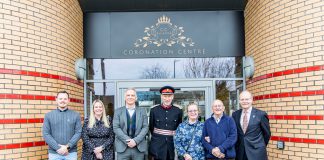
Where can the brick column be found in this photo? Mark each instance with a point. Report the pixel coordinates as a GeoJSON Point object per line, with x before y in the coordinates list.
{"type": "Point", "coordinates": [39, 42]}
{"type": "Point", "coordinates": [285, 37]}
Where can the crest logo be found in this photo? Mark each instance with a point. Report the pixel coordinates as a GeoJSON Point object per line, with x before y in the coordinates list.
{"type": "Point", "coordinates": [164, 33]}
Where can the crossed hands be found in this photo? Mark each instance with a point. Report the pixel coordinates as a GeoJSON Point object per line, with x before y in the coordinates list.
{"type": "Point", "coordinates": [63, 150]}
{"type": "Point", "coordinates": [98, 151]}
{"type": "Point", "coordinates": [216, 151]}
{"type": "Point", "coordinates": [131, 143]}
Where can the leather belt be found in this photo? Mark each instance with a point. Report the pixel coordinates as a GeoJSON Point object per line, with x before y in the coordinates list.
{"type": "Point", "coordinates": [164, 132]}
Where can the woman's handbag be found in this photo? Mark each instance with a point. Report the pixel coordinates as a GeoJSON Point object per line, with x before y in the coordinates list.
{"type": "Point", "coordinates": [193, 133]}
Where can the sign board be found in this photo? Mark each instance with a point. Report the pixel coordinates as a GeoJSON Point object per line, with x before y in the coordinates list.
{"type": "Point", "coordinates": [129, 35]}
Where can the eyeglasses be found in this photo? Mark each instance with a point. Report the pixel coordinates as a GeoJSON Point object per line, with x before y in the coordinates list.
{"type": "Point", "coordinates": [191, 111]}
{"type": "Point", "coordinates": [218, 106]}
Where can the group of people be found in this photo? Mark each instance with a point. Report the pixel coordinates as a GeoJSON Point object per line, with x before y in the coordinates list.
{"type": "Point", "coordinates": [244, 136]}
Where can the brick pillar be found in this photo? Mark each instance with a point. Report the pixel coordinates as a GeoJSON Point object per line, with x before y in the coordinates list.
{"type": "Point", "coordinates": [39, 42]}
{"type": "Point", "coordinates": [285, 37]}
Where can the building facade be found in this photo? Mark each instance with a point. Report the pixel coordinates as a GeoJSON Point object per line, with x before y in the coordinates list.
{"type": "Point", "coordinates": [40, 41]}
{"type": "Point", "coordinates": [286, 40]}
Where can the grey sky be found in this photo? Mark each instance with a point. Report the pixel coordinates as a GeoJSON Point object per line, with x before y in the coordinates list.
{"type": "Point", "coordinates": [133, 68]}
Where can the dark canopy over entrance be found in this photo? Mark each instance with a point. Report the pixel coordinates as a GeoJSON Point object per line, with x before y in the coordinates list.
{"type": "Point", "coordinates": [160, 5]}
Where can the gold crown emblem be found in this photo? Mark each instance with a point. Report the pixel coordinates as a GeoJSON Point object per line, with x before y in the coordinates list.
{"type": "Point", "coordinates": [164, 19]}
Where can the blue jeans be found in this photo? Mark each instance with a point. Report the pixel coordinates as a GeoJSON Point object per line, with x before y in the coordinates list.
{"type": "Point", "coordinates": [56, 156]}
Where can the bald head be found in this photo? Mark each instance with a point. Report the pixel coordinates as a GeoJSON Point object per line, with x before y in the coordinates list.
{"type": "Point", "coordinates": [246, 92]}
{"type": "Point", "coordinates": [218, 102]}
{"type": "Point", "coordinates": [218, 107]}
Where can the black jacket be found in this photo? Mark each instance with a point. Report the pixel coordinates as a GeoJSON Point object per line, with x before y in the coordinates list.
{"type": "Point", "coordinates": [167, 120]}
{"type": "Point", "coordinates": [256, 138]}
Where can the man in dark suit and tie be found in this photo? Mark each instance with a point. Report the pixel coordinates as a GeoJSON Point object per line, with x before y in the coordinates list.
{"type": "Point", "coordinates": [253, 130]}
{"type": "Point", "coordinates": [130, 125]}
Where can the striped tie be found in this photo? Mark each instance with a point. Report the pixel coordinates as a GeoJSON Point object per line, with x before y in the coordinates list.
{"type": "Point", "coordinates": [245, 121]}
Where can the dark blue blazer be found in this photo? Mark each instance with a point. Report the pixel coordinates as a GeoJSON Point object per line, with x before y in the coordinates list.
{"type": "Point", "coordinates": [256, 138]}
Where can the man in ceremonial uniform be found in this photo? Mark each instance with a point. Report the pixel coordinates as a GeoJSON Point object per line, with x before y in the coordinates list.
{"type": "Point", "coordinates": [164, 120]}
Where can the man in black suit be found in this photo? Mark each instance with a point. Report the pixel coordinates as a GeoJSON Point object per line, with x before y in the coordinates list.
{"type": "Point", "coordinates": [253, 130]}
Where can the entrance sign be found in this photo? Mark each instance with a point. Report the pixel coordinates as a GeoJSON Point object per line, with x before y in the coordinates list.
{"type": "Point", "coordinates": [196, 34]}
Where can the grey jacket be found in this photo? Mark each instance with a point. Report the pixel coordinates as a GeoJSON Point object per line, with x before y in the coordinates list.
{"type": "Point", "coordinates": [120, 129]}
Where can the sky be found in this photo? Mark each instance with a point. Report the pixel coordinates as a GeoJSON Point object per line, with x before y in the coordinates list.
{"type": "Point", "coordinates": [133, 68]}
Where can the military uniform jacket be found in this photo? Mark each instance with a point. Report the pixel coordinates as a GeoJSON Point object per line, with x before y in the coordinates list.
{"type": "Point", "coordinates": [165, 120]}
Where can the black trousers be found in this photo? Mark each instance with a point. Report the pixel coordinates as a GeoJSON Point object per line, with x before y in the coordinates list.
{"type": "Point", "coordinates": [244, 156]}
{"type": "Point", "coordinates": [168, 157]}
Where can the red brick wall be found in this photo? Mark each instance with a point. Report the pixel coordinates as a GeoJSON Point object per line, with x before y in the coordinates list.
{"type": "Point", "coordinates": [39, 42]}
{"type": "Point", "coordinates": [285, 37]}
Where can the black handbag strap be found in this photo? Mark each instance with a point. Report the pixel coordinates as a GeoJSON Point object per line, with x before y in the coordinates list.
{"type": "Point", "coordinates": [194, 132]}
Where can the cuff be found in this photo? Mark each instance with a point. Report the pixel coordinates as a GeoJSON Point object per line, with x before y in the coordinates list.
{"type": "Point", "coordinates": [57, 147]}
{"type": "Point", "coordinates": [221, 149]}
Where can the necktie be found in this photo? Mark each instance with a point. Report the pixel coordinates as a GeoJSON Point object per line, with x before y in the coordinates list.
{"type": "Point", "coordinates": [245, 121]}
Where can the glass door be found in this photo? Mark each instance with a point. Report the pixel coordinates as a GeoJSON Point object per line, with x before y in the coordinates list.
{"type": "Point", "coordinates": [196, 91]}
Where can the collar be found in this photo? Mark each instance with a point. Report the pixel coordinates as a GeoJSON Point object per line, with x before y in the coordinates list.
{"type": "Point", "coordinates": [191, 124]}
{"type": "Point", "coordinates": [62, 110]}
{"type": "Point", "coordinates": [166, 107]}
{"type": "Point", "coordinates": [219, 117]}
{"type": "Point", "coordinates": [130, 107]}
{"type": "Point", "coordinates": [248, 110]}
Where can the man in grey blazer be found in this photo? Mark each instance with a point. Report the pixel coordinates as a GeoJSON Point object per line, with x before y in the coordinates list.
{"type": "Point", "coordinates": [130, 125]}
{"type": "Point", "coordinates": [253, 130]}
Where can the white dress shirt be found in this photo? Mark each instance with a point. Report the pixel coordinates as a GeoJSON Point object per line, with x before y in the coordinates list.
{"type": "Point", "coordinates": [131, 110]}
